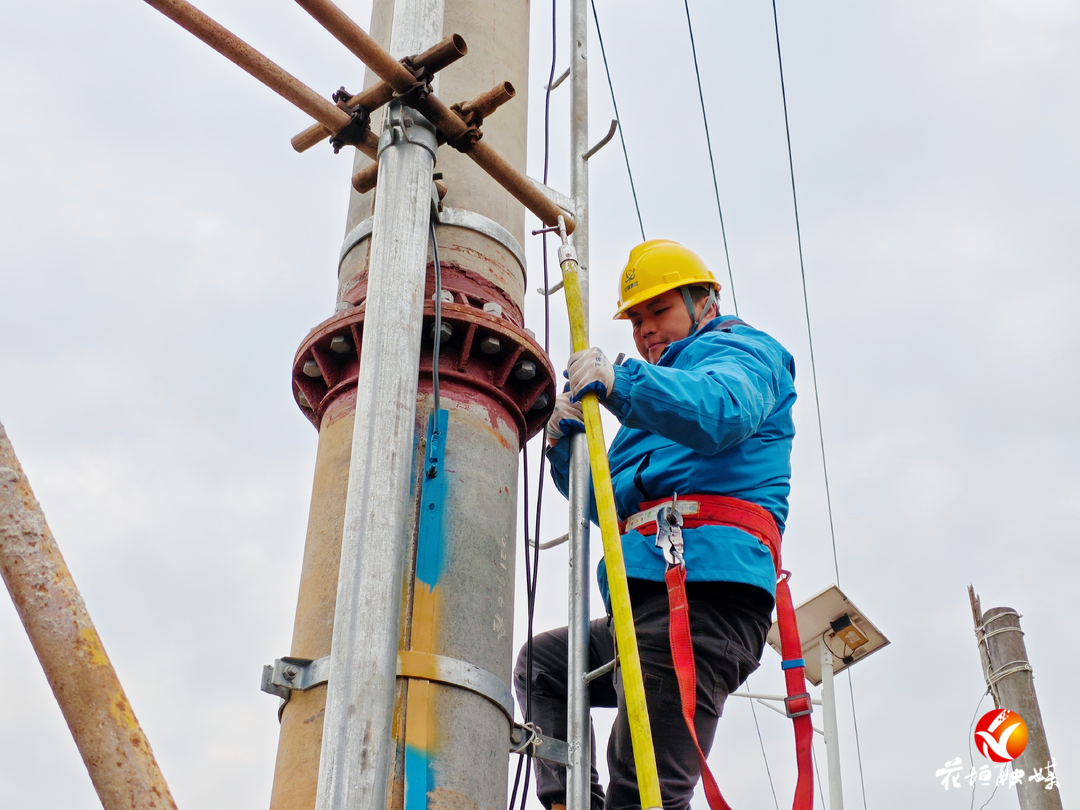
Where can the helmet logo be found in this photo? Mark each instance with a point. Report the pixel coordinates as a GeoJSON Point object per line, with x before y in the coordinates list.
{"type": "Point", "coordinates": [629, 274]}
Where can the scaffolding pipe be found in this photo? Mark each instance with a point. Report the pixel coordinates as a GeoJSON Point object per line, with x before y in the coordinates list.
{"type": "Point", "coordinates": [112, 743]}
{"type": "Point", "coordinates": [434, 59]}
{"type": "Point", "coordinates": [244, 56]}
{"type": "Point", "coordinates": [361, 45]}
{"type": "Point", "coordinates": [357, 747]}
{"type": "Point", "coordinates": [578, 721]}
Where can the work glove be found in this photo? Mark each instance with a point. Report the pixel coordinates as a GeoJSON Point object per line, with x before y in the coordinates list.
{"type": "Point", "coordinates": [565, 420]}
{"type": "Point", "coordinates": [589, 370]}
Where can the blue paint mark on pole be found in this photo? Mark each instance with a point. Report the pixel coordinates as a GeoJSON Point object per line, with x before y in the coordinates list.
{"type": "Point", "coordinates": [430, 546]}
{"type": "Point", "coordinates": [417, 778]}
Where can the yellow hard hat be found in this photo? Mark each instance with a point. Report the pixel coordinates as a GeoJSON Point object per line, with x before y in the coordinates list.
{"type": "Point", "coordinates": [656, 266]}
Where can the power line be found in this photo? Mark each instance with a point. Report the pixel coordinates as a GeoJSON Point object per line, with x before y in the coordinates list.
{"type": "Point", "coordinates": [712, 163]}
{"type": "Point", "coordinates": [813, 368]}
{"type": "Point", "coordinates": [806, 300]}
{"type": "Point", "coordinates": [761, 742]}
{"type": "Point", "coordinates": [618, 120]}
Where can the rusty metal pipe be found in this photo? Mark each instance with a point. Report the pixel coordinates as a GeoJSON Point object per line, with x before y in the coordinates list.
{"type": "Point", "coordinates": [244, 56]}
{"type": "Point", "coordinates": [450, 126]}
{"type": "Point", "coordinates": [362, 46]}
{"type": "Point", "coordinates": [434, 59]}
{"type": "Point", "coordinates": [486, 103]}
{"type": "Point", "coordinates": [520, 187]}
{"type": "Point", "coordinates": [113, 745]}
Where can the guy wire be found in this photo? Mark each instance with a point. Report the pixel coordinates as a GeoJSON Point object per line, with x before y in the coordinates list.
{"type": "Point", "coordinates": [813, 366]}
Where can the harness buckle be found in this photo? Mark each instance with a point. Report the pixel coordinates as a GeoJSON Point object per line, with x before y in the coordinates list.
{"type": "Point", "coordinates": [669, 537]}
{"type": "Point", "coordinates": [795, 709]}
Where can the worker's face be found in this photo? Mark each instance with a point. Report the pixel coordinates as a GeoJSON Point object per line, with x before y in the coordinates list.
{"type": "Point", "coordinates": [660, 321]}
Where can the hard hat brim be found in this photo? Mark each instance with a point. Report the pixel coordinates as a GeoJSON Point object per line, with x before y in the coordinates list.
{"type": "Point", "coordinates": [654, 291]}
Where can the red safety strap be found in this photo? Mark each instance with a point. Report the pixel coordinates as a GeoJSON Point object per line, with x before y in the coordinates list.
{"type": "Point", "coordinates": [718, 510]}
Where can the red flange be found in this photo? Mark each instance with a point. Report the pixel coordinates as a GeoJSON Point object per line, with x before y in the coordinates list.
{"type": "Point", "coordinates": [484, 351]}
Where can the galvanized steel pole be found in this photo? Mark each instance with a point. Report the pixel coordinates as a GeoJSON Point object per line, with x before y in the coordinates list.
{"type": "Point", "coordinates": [578, 722]}
{"type": "Point", "coordinates": [357, 748]}
{"type": "Point", "coordinates": [832, 734]}
{"type": "Point", "coordinates": [110, 740]}
{"type": "Point", "coordinates": [1009, 676]}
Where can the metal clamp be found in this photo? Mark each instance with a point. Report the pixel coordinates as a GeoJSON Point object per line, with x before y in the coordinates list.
{"type": "Point", "coordinates": [287, 674]}
{"type": "Point", "coordinates": [454, 672]}
{"type": "Point", "coordinates": [529, 739]}
{"type": "Point", "coordinates": [354, 132]}
{"type": "Point", "coordinates": [405, 125]}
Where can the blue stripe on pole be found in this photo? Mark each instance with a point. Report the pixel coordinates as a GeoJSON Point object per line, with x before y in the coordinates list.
{"type": "Point", "coordinates": [793, 663]}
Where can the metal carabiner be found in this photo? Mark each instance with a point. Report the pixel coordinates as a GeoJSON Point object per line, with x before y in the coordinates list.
{"type": "Point", "coordinates": [669, 537]}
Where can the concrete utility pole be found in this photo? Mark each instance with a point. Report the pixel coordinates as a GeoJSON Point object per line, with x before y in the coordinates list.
{"type": "Point", "coordinates": [1010, 680]}
{"type": "Point", "coordinates": [452, 534]}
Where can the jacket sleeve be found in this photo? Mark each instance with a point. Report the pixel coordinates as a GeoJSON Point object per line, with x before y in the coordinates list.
{"type": "Point", "coordinates": [558, 457]}
{"type": "Point", "coordinates": [710, 407]}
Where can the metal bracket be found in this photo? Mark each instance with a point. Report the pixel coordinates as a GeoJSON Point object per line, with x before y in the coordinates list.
{"type": "Point", "coordinates": [405, 125]}
{"type": "Point", "coordinates": [287, 674]}
{"type": "Point", "coordinates": [527, 740]}
{"type": "Point", "coordinates": [301, 674]}
{"type": "Point", "coordinates": [454, 672]}
{"type": "Point", "coordinates": [603, 141]}
{"type": "Point", "coordinates": [562, 78]}
{"type": "Point", "coordinates": [457, 217]}
{"type": "Point", "coordinates": [557, 197]}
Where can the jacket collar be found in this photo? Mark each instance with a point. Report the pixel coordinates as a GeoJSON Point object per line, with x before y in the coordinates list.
{"type": "Point", "coordinates": [673, 350]}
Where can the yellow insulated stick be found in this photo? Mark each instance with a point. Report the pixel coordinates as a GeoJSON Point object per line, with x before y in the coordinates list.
{"type": "Point", "coordinates": [625, 636]}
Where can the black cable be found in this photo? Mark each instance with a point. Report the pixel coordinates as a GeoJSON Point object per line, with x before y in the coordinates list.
{"type": "Point", "coordinates": [438, 320]}
{"type": "Point", "coordinates": [813, 366]}
{"type": "Point", "coordinates": [618, 120]}
{"type": "Point", "coordinates": [712, 163]}
{"type": "Point", "coordinates": [532, 566]}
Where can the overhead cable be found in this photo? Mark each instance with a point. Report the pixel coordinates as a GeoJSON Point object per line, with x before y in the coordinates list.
{"type": "Point", "coordinates": [622, 140]}
{"type": "Point", "coordinates": [761, 742]}
{"type": "Point", "coordinates": [712, 163]}
{"type": "Point", "coordinates": [813, 369]}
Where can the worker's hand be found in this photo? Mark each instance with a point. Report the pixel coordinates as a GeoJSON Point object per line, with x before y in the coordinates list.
{"type": "Point", "coordinates": [565, 420]}
{"type": "Point", "coordinates": [590, 370]}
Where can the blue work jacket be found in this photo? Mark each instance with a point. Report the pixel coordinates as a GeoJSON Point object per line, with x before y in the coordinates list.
{"type": "Point", "coordinates": [712, 416]}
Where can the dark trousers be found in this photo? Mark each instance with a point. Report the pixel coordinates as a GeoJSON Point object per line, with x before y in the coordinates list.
{"type": "Point", "coordinates": [728, 623]}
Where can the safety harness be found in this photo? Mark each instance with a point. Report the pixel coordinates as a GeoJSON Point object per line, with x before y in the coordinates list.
{"type": "Point", "coordinates": [666, 519]}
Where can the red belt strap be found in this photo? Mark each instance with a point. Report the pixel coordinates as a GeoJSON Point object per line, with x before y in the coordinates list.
{"type": "Point", "coordinates": [716, 510]}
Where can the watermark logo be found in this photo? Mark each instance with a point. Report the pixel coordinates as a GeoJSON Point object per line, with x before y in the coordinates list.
{"type": "Point", "coordinates": [1001, 735]}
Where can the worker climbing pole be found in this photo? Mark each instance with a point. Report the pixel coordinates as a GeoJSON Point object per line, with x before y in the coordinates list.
{"type": "Point", "coordinates": [707, 413]}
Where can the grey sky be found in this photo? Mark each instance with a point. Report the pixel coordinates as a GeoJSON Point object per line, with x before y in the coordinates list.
{"type": "Point", "coordinates": [163, 251]}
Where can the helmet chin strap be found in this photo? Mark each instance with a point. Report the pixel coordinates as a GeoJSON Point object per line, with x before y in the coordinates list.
{"type": "Point", "coordinates": [695, 321]}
